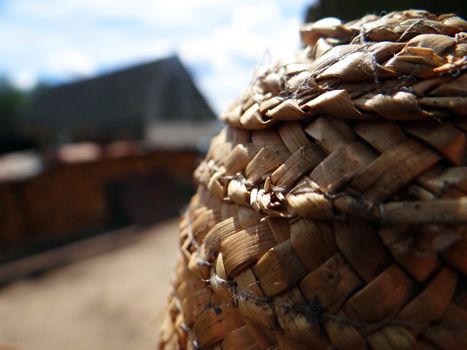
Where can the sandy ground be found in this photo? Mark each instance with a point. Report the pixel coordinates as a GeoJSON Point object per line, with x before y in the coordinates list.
{"type": "Point", "coordinates": [114, 300]}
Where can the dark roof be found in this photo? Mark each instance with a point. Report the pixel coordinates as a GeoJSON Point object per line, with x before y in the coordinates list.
{"type": "Point", "coordinates": [159, 90]}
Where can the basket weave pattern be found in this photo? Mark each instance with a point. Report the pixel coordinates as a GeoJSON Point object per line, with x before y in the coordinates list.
{"type": "Point", "coordinates": [331, 210]}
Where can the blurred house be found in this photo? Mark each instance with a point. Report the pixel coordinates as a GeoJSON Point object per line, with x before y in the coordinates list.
{"type": "Point", "coordinates": [128, 104]}
{"type": "Point", "coordinates": [114, 150]}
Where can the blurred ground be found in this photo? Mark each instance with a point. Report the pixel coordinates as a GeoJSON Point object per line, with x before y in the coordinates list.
{"type": "Point", "coordinates": [114, 300]}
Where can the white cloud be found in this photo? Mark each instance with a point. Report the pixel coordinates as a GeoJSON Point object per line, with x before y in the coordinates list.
{"type": "Point", "coordinates": [70, 62]}
{"type": "Point", "coordinates": [234, 49]}
{"type": "Point", "coordinates": [165, 13]}
{"type": "Point", "coordinates": [24, 79]}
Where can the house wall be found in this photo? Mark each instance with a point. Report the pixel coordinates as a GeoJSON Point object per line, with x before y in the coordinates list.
{"type": "Point", "coordinates": [69, 200]}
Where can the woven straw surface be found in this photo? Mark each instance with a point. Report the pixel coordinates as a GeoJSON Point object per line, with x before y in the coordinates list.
{"type": "Point", "coordinates": [331, 211]}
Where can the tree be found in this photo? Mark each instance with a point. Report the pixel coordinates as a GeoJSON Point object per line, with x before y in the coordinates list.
{"type": "Point", "coordinates": [12, 101]}
{"type": "Point", "coordinates": [350, 10]}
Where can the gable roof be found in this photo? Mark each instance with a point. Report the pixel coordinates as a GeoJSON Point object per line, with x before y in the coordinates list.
{"type": "Point", "coordinates": [159, 90]}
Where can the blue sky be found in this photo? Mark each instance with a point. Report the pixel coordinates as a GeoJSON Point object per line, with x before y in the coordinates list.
{"type": "Point", "coordinates": [221, 42]}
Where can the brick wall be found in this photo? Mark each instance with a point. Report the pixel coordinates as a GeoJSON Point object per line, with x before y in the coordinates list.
{"type": "Point", "coordinates": [68, 200]}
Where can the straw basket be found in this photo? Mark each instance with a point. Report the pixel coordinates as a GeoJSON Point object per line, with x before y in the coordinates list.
{"type": "Point", "coordinates": [331, 211]}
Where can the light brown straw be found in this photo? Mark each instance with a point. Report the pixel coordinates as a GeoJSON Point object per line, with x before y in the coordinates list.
{"type": "Point", "coordinates": [331, 211]}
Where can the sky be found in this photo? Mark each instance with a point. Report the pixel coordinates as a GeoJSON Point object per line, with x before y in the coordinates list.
{"type": "Point", "coordinates": [221, 42]}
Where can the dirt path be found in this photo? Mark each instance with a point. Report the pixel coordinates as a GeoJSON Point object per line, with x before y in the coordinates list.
{"type": "Point", "coordinates": [114, 300]}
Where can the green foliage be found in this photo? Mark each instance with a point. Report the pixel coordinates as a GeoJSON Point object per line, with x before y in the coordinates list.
{"type": "Point", "coordinates": [12, 101]}
{"type": "Point", "coordinates": [350, 10]}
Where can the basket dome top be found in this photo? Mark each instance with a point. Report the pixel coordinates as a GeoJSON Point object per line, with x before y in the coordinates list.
{"type": "Point", "coordinates": [406, 65]}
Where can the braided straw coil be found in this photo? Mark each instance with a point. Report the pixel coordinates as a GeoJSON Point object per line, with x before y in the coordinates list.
{"type": "Point", "coordinates": [331, 211]}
